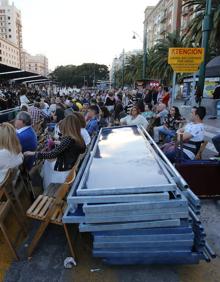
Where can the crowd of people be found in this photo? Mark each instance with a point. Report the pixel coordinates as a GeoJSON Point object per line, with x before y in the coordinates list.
{"type": "Point", "coordinates": [70, 121]}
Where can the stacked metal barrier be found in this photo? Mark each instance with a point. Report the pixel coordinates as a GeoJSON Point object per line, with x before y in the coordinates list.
{"type": "Point", "coordinates": [137, 207]}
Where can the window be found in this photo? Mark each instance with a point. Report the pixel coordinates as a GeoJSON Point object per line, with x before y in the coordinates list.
{"type": "Point", "coordinates": [0, 59]}
{"type": "Point", "coordinates": [9, 18]}
{"type": "Point", "coordinates": [9, 30]}
{"type": "Point", "coordinates": [9, 36]}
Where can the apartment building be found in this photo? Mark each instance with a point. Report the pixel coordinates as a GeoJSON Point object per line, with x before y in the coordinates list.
{"type": "Point", "coordinates": [11, 46]}
{"type": "Point", "coordinates": [37, 64]}
{"type": "Point", "coordinates": [10, 23]}
{"type": "Point", "coordinates": [162, 18]}
{"type": "Point", "coordinates": [187, 15]}
{"type": "Point", "coordinates": [9, 54]}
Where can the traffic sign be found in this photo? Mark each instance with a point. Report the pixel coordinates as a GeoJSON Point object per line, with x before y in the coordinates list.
{"type": "Point", "coordinates": [185, 59]}
{"type": "Point", "coordinates": [188, 69]}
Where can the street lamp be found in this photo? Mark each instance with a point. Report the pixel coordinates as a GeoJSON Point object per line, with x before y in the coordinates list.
{"type": "Point", "coordinates": [123, 68]}
{"type": "Point", "coordinates": [206, 28]}
{"type": "Point", "coordinates": [144, 41]}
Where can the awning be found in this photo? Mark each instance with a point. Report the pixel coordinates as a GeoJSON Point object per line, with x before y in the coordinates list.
{"type": "Point", "coordinates": [213, 67]}
{"type": "Point", "coordinates": [18, 75]}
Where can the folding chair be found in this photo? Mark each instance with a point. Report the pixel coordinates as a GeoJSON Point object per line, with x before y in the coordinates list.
{"type": "Point", "coordinates": [50, 209]}
{"type": "Point", "coordinates": [201, 150]}
{"type": "Point", "coordinates": [6, 205]}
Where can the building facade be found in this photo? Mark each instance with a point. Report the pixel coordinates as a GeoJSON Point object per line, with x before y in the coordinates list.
{"type": "Point", "coordinates": [11, 46]}
{"type": "Point", "coordinates": [9, 54]}
{"type": "Point", "coordinates": [37, 64]}
{"type": "Point", "coordinates": [10, 23]}
{"type": "Point", "coordinates": [163, 18]}
{"type": "Point", "coordinates": [123, 58]}
{"type": "Point", "coordinates": [187, 15]}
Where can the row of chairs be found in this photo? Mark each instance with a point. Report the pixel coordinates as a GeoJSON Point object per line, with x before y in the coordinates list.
{"type": "Point", "coordinates": [47, 208]}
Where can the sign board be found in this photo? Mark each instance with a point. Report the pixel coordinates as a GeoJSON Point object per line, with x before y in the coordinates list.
{"type": "Point", "coordinates": [185, 60]}
{"type": "Point", "coordinates": [140, 84]}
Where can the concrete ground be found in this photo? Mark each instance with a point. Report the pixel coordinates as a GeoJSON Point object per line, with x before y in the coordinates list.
{"type": "Point", "coordinates": [47, 261]}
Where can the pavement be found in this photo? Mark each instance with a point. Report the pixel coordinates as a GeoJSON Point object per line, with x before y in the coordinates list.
{"type": "Point", "coordinates": [46, 264]}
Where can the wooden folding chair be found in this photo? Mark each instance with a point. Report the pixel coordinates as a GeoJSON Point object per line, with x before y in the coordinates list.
{"type": "Point", "coordinates": [13, 190]}
{"type": "Point", "coordinates": [50, 209]}
{"type": "Point", "coordinates": [6, 205]}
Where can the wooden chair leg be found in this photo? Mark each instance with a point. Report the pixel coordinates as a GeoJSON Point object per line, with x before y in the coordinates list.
{"type": "Point", "coordinates": [19, 221]}
{"type": "Point", "coordinates": [3, 229]}
{"type": "Point", "coordinates": [69, 241]}
{"type": "Point", "coordinates": [37, 237]}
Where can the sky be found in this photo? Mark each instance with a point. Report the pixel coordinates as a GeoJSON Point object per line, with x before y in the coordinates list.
{"type": "Point", "coordinates": [81, 31]}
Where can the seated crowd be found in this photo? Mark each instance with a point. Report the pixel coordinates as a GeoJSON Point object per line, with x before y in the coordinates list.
{"type": "Point", "coordinates": [68, 123]}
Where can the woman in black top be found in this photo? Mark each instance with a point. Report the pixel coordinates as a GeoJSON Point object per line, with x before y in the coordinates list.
{"type": "Point", "coordinates": [68, 149]}
{"type": "Point", "coordinates": [171, 124]}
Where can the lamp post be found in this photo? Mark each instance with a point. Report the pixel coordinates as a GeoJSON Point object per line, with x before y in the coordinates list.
{"type": "Point", "coordinates": [144, 41]}
{"type": "Point", "coordinates": [206, 28]}
{"type": "Point", "coordinates": [115, 60]}
{"type": "Point", "coordinates": [123, 68]}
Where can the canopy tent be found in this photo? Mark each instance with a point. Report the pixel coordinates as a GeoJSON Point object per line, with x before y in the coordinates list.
{"type": "Point", "coordinates": [213, 68]}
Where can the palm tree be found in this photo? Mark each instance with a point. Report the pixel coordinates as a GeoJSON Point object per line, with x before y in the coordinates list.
{"type": "Point", "coordinates": [158, 66]}
{"type": "Point", "coordinates": [194, 32]}
{"type": "Point", "coordinates": [133, 68]}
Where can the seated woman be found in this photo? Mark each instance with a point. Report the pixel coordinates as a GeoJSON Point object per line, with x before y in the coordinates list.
{"type": "Point", "coordinates": [65, 155]}
{"type": "Point", "coordinates": [148, 113]}
{"type": "Point", "coordinates": [104, 117]}
{"type": "Point", "coordinates": [135, 118]}
{"type": "Point", "coordinates": [10, 149]}
{"type": "Point", "coordinates": [119, 113]}
{"type": "Point", "coordinates": [170, 126]}
{"type": "Point", "coordinates": [84, 133]}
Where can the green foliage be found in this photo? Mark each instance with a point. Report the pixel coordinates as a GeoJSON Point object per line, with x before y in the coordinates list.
{"type": "Point", "coordinates": [78, 75]}
{"type": "Point", "coordinates": [194, 33]}
{"type": "Point", "coordinates": [158, 61]}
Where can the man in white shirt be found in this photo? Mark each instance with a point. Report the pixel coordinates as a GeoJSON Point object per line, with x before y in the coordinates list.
{"type": "Point", "coordinates": [192, 135]}
{"type": "Point", "coordinates": [24, 99]}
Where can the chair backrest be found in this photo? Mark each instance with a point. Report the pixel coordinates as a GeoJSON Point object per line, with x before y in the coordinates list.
{"type": "Point", "coordinates": [9, 182]}
{"type": "Point", "coordinates": [64, 188]}
{"type": "Point", "coordinates": [201, 150]}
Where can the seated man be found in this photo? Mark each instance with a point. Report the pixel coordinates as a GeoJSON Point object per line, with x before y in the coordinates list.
{"type": "Point", "coordinates": [26, 136]}
{"type": "Point", "coordinates": [92, 120]}
{"type": "Point", "coordinates": [159, 119]}
{"type": "Point", "coordinates": [216, 142]}
{"type": "Point", "coordinates": [192, 136]}
{"type": "Point", "coordinates": [216, 93]}
{"type": "Point", "coordinates": [36, 113]}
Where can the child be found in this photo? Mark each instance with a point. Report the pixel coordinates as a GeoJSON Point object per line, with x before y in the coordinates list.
{"type": "Point", "coordinates": [92, 120]}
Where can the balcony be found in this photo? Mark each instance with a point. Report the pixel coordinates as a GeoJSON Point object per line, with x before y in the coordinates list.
{"type": "Point", "coordinates": [185, 11]}
{"type": "Point", "coordinates": [163, 17]}
{"type": "Point", "coordinates": [162, 29]}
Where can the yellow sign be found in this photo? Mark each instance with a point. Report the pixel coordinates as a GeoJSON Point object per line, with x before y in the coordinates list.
{"type": "Point", "coordinates": [187, 69]}
{"type": "Point", "coordinates": [185, 59]}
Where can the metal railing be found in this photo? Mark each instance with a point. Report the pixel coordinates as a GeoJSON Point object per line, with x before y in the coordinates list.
{"type": "Point", "coordinates": [9, 114]}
